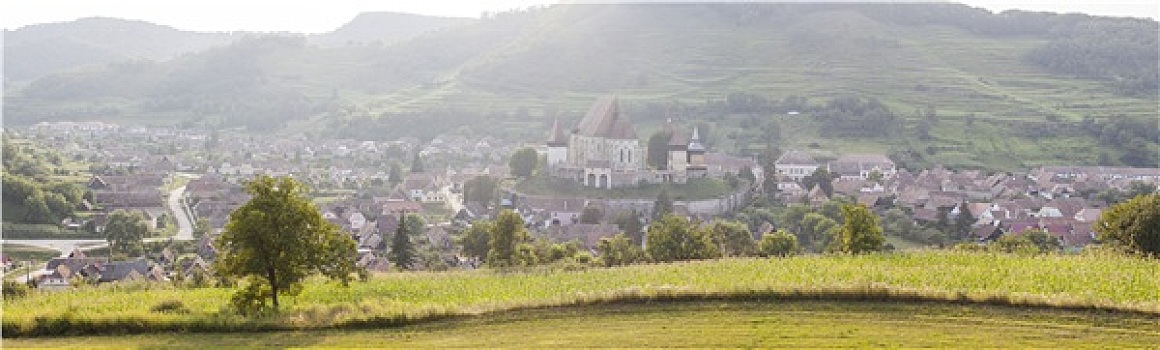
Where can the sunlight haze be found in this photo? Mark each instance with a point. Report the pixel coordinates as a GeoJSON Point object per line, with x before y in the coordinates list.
{"type": "Point", "coordinates": [320, 17]}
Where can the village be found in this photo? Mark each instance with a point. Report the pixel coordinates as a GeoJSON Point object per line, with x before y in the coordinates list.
{"type": "Point", "coordinates": [193, 180]}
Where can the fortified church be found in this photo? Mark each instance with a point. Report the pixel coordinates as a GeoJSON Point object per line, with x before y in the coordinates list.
{"type": "Point", "coordinates": [603, 151]}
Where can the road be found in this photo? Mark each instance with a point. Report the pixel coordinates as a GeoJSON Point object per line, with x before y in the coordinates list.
{"type": "Point", "coordinates": [181, 215]}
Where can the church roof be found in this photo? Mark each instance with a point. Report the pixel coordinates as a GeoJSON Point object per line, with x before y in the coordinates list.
{"type": "Point", "coordinates": [604, 120]}
{"type": "Point", "coordinates": [557, 137]}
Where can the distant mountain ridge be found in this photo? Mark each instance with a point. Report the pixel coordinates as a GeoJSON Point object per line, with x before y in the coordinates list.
{"type": "Point", "coordinates": [384, 28]}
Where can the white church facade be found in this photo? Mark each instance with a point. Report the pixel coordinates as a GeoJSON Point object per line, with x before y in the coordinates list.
{"type": "Point", "coordinates": [603, 151]}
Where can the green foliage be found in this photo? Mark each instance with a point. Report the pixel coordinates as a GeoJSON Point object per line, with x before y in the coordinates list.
{"type": "Point", "coordinates": [860, 232]}
{"type": "Point", "coordinates": [619, 250]}
{"type": "Point", "coordinates": [780, 243]}
{"type": "Point", "coordinates": [170, 306]}
{"type": "Point", "coordinates": [732, 238]}
{"type": "Point", "coordinates": [125, 233]}
{"type": "Point", "coordinates": [481, 189]}
{"type": "Point", "coordinates": [663, 205]}
{"type": "Point", "coordinates": [1135, 224]}
{"type": "Point", "coordinates": [658, 150]}
{"type": "Point", "coordinates": [15, 290]}
{"type": "Point", "coordinates": [417, 163]}
{"type": "Point", "coordinates": [822, 179]}
{"type": "Point", "coordinates": [591, 215]}
{"type": "Point", "coordinates": [396, 174]}
{"type": "Point", "coordinates": [523, 162]}
{"type": "Point", "coordinates": [402, 250]}
{"type": "Point", "coordinates": [280, 236]}
{"type": "Point", "coordinates": [629, 223]}
{"type": "Point", "coordinates": [674, 238]}
{"type": "Point", "coordinates": [475, 240]}
{"type": "Point", "coordinates": [1030, 242]}
{"type": "Point", "coordinates": [506, 235]}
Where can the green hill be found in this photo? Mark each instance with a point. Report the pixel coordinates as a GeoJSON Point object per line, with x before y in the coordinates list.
{"type": "Point", "coordinates": [1007, 91]}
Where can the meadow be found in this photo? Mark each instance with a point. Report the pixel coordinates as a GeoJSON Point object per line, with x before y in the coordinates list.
{"type": "Point", "coordinates": [1106, 282]}
{"type": "Point", "coordinates": [706, 324]}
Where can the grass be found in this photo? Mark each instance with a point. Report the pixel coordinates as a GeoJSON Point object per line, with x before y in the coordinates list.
{"type": "Point", "coordinates": [1082, 282]}
{"type": "Point", "coordinates": [706, 324]}
{"type": "Point", "coordinates": [20, 252]}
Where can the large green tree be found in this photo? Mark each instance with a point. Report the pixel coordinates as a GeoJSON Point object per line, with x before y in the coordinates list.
{"type": "Point", "coordinates": [860, 232]}
{"type": "Point", "coordinates": [629, 223]}
{"type": "Point", "coordinates": [507, 233]}
{"type": "Point", "coordinates": [523, 162]}
{"type": "Point", "coordinates": [125, 233]}
{"type": "Point", "coordinates": [402, 251]}
{"type": "Point", "coordinates": [733, 238]}
{"type": "Point", "coordinates": [663, 205]}
{"type": "Point", "coordinates": [475, 240]}
{"type": "Point", "coordinates": [480, 189]}
{"type": "Point", "coordinates": [279, 236]}
{"type": "Point", "coordinates": [674, 238]}
{"type": "Point", "coordinates": [1135, 224]}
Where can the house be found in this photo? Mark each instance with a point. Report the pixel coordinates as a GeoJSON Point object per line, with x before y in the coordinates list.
{"type": "Point", "coordinates": [423, 187]}
{"type": "Point", "coordinates": [796, 165]}
{"type": "Point", "coordinates": [861, 166]}
{"type": "Point", "coordinates": [558, 211]}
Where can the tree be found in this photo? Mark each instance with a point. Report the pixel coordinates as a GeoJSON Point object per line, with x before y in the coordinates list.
{"type": "Point", "coordinates": [402, 251]}
{"type": "Point", "coordinates": [523, 162]}
{"type": "Point", "coordinates": [1135, 224]}
{"type": "Point", "coordinates": [591, 215]}
{"type": "Point", "coordinates": [674, 238]}
{"type": "Point", "coordinates": [732, 238]}
{"type": "Point", "coordinates": [395, 177]}
{"type": "Point", "coordinates": [38, 211]}
{"type": "Point", "coordinates": [658, 150]}
{"type": "Point", "coordinates": [817, 230]}
{"type": "Point", "coordinates": [201, 228]}
{"type": "Point", "coordinates": [476, 239]}
{"type": "Point", "coordinates": [663, 205]}
{"type": "Point", "coordinates": [507, 233]}
{"type": "Point", "coordinates": [629, 223]}
{"type": "Point", "coordinates": [417, 163]}
{"type": "Point", "coordinates": [281, 237]}
{"type": "Point", "coordinates": [860, 232]}
{"type": "Point", "coordinates": [125, 233]}
{"type": "Point", "coordinates": [1034, 241]}
{"type": "Point", "coordinates": [821, 178]}
{"type": "Point", "coordinates": [963, 221]}
{"type": "Point", "coordinates": [480, 189]}
{"type": "Point", "coordinates": [780, 243]}
{"type": "Point", "coordinates": [619, 250]}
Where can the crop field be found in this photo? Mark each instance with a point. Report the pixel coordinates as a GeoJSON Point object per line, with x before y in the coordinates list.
{"type": "Point", "coordinates": [1107, 282]}
{"type": "Point", "coordinates": [705, 324]}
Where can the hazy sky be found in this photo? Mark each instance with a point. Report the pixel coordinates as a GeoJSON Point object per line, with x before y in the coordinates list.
{"type": "Point", "coordinates": [313, 16]}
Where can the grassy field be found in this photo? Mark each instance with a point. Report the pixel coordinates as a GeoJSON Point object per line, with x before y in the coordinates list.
{"type": "Point", "coordinates": [699, 324]}
{"type": "Point", "coordinates": [1085, 281]}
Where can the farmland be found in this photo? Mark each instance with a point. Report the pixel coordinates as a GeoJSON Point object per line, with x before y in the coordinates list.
{"type": "Point", "coordinates": [1090, 281]}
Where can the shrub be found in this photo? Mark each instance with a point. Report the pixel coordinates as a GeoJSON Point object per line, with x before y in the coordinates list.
{"type": "Point", "coordinates": [170, 306]}
{"type": "Point", "coordinates": [15, 290]}
{"type": "Point", "coordinates": [780, 243]}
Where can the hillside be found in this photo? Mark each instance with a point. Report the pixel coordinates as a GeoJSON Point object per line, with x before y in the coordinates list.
{"type": "Point", "coordinates": [970, 88]}
{"type": "Point", "coordinates": [384, 28]}
{"type": "Point", "coordinates": [38, 50]}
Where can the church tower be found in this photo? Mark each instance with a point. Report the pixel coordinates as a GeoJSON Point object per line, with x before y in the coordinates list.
{"type": "Point", "coordinates": [678, 149]}
{"type": "Point", "coordinates": [697, 166]}
{"type": "Point", "coordinates": [557, 145]}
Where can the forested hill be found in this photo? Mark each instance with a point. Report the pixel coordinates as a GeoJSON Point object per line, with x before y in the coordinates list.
{"type": "Point", "coordinates": [1028, 75]}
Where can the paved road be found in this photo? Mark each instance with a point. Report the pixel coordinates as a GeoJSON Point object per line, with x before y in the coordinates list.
{"type": "Point", "coordinates": [184, 225]}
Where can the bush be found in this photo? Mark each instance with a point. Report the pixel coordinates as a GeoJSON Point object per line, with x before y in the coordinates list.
{"type": "Point", "coordinates": [780, 243]}
{"type": "Point", "coordinates": [1134, 224]}
{"type": "Point", "coordinates": [15, 290]}
{"type": "Point", "coordinates": [170, 306]}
